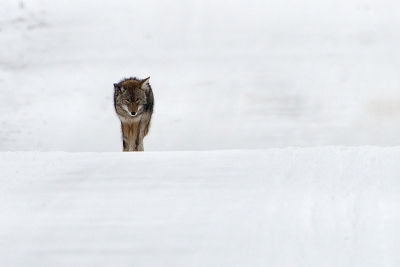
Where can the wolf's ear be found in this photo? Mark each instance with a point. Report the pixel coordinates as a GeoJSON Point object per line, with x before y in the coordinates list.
{"type": "Point", "coordinates": [119, 87]}
{"type": "Point", "coordinates": [145, 84]}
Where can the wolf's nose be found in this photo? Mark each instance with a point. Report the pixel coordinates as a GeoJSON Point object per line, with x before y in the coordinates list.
{"type": "Point", "coordinates": [133, 113]}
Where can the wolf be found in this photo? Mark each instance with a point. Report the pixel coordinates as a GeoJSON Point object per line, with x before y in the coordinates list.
{"type": "Point", "coordinates": [134, 102]}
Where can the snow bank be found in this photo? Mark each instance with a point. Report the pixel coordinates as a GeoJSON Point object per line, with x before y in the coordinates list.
{"type": "Point", "coordinates": [326, 206]}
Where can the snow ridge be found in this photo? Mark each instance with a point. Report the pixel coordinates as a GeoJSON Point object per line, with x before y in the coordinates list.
{"type": "Point", "coordinates": [323, 206]}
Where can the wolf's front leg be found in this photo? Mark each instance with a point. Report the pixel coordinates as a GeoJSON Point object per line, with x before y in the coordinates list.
{"type": "Point", "coordinates": [141, 135]}
{"type": "Point", "coordinates": [128, 140]}
{"type": "Point", "coordinates": [140, 146]}
{"type": "Point", "coordinates": [125, 140]}
{"type": "Point", "coordinates": [125, 145]}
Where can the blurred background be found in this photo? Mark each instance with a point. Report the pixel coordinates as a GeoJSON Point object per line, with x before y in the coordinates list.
{"type": "Point", "coordinates": [225, 74]}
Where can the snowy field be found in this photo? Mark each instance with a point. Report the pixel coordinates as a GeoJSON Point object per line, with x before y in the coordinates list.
{"type": "Point", "coordinates": [238, 86]}
{"type": "Point", "coordinates": [225, 74]}
{"type": "Point", "coordinates": [331, 206]}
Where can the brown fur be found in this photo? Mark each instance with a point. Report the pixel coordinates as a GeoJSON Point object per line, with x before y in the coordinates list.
{"type": "Point", "coordinates": [133, 102]}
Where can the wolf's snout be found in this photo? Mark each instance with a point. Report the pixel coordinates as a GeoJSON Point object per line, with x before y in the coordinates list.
{"type": "Point", "coordinates": [133, 113]}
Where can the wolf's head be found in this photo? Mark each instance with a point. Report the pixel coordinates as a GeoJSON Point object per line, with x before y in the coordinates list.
{"type": "Point", "coordinates": [130, 97]}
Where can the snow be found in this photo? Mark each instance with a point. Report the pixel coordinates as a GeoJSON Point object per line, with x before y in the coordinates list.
{"type": "Point", "coordinates": [226, 75]}
{"type": "Point", "coordinates": [327, 206]}
{"type": "Point", "coordinates": [274, 140]}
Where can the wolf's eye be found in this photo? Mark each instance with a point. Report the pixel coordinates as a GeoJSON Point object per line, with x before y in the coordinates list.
{"type": "Point", "coordinates": [137, 100]}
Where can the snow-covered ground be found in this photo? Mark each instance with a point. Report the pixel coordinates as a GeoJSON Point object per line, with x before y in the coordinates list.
{"type": "Point", "coordinates": [259, 76]}
{"type": "Point", "coordinates": [225, 74]}
{"type": "Point", "coordinates": [331, 206]}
